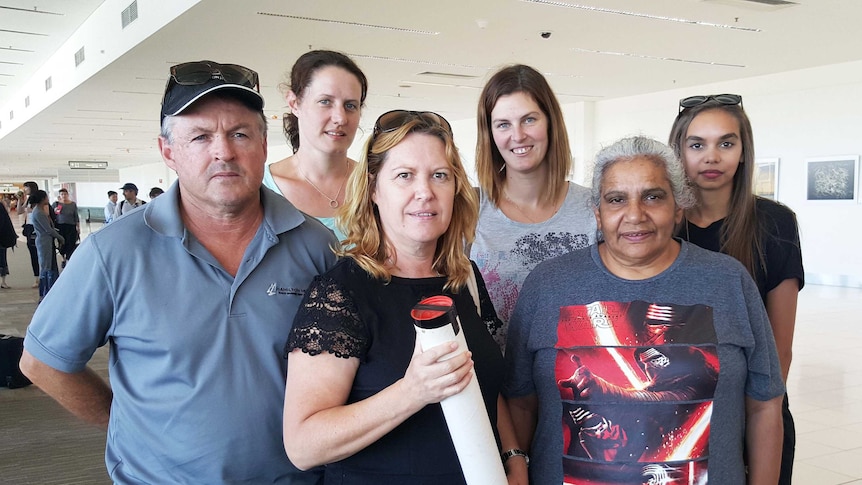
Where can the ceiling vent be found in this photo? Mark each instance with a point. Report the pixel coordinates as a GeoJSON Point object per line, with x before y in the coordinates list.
{"type": "Point", "coordinates": [79, 57]}
{"type": "Point", "coordinates": [130, 14]}
{"type": "Point", "coordinates": [48, 83]}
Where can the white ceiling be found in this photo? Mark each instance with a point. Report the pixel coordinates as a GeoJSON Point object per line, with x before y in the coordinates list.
{"type": "Point", "coordinates": [597, 50]}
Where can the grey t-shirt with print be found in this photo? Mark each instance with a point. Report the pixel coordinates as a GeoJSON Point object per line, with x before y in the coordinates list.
{"type": "Point", "coordinates": [640, 381]}
{"type": "Point", "coordinates": [506, 251]}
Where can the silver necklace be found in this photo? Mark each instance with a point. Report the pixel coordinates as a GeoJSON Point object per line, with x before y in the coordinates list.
{"type": "Point", "coordinates": [333, 203]}
{"type": "Point", "coordinates": [522, 212]}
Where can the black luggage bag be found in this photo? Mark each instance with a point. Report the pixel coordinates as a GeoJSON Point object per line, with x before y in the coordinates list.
{"type": "Point", "coordinates": [10, 353]}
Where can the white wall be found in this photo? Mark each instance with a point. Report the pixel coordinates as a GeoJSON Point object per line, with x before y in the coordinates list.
{"type": "Point", "coordinates": [146, 177]}
{"type": "Point", "coordinates": [795, 115]}
{"type": "Point", "coordinates": [94, 194]}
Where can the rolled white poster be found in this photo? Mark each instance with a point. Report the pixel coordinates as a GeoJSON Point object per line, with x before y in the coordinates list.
{"type": "Point", "coordinates": [436, 322]}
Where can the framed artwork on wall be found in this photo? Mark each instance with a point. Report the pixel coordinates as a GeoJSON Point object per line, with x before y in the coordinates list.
{"type": "Point", "coordinates": [766, 178]}
{"type": "Point", "coordinates": [833, 178]}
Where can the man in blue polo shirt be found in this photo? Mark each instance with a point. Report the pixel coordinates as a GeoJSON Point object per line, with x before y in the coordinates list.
{"type": "Point", "coordinates": [196, 367]}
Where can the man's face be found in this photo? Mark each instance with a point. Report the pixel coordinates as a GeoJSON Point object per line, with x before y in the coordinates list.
{"type": "Point", "coordinates": [129, 195]}
{"type": "Point", "coordinates": [218, 152]}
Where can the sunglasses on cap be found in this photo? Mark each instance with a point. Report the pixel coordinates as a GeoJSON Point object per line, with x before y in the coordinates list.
{"type": "Point", "coordinates": [725, 99]}
{"type": "Point", "coordinates": [201, 72]}
{"type": "Point", "coordinates": [392, 120]}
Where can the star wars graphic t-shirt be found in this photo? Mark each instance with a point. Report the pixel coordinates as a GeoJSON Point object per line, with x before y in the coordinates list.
{"type": "Point", "coordinates": [636, 381]}
{"type": "Point", "coordinates": [640, 381]}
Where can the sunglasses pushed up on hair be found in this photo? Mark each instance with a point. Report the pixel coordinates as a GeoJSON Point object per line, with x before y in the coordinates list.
{"type": "Point", "coordinates": [201, 72]}
{"type": "Point", "coordinates": [392, 120]}
{"type": "Point", "coordinates": [725, 99]}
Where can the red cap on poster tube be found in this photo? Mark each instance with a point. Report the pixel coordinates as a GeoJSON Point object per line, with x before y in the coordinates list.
{"type": "Point", "coordinates": [435, 312]}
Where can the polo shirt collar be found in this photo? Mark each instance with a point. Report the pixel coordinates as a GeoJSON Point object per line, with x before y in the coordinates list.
{"type": "Point", "coordinates": [162, 214]}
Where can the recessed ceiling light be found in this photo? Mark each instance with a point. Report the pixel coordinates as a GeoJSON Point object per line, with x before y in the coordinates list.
{"type": "Point", "coordinates": [657, 58]}
{"type": "Point", "coordinates": [442, 85]}
{"type": "Point", "coordinates": [351, 24]}
{"type": "Point", "coordinates": [414, 61]}
{"type": "Point", "coordinates": [592, 8]}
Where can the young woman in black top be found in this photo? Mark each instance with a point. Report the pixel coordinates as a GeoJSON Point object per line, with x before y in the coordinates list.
{"type": "Point", "coordinates": [712, 135]}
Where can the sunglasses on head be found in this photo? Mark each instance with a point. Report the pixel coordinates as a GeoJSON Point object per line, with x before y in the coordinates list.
{"type": "Point", "coordinates": [392, 120]}
{"type": "Point", "coordinates": [725, 99]}
{"type": "Point", "coordinates": [201, 72]}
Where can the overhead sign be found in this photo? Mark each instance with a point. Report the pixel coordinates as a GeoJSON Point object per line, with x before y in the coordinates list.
{"type": "Point", "coordinates": [90, 165]}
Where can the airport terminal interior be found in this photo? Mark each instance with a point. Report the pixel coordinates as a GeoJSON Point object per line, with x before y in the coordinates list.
{"type": "Point", "coordinates": [43, 444]}
{"type": "Point", "coordinates": [92, 126]}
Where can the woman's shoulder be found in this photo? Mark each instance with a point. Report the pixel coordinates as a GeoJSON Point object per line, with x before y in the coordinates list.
{"type": "Point", "coordinates": [775, 217]}
{"type": "Point", "coordinates": [579, 191]}
{"type": "Point", "coordinates": [773, 208]}
{"type": "Point", "coordinates": [347, 273]}
{"type": "Point", "coordinates": [706, 261]}
{"type": "Point", "coordinates": [578, 197]}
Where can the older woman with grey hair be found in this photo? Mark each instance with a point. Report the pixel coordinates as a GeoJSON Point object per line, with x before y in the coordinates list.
{"type": "Point", "coordinates": [656, 354]}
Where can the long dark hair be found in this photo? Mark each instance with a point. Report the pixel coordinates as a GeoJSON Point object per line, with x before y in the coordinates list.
{"type": "Point", "coordinates": [37, 197]}
{"type": "Point", "coordinates": [301, 76]}
{"type": "Point", "coordinates": [740, 233]}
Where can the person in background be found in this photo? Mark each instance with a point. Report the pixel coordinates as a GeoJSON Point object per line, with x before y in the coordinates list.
{"type": "Point", "coordinates": [155, 192]}
{"type": "Point", "coordinates": [8, 238]}
{"type": "Point", "coordinates": [68, 224]}
{"type": "Point", "coordinates": [28, 231]}
{"type": "Point", "coordinates": [326, 95]}
{"type": "Point", "coordinates": [624, 341]}
{"type": "Point", "coordinates": [354, 364]}
{"type": "Point", "coordinates": [21, 207]}
{"type": "Point", "coordinates": [196, 391]}
{"type": "Point", "coordinates": [130, 200]}
{"type": "Point", "coordinates": [713, 137]}
{"type": "Point", "coordinates": [528, 211]}
{"type": "Point", "coordinates": [45, 232]}
{"type": "Point", "coordinates": [111, 206]}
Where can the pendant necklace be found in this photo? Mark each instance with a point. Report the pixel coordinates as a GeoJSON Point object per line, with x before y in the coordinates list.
{"type": "Point", "coordinates": [333, 203]}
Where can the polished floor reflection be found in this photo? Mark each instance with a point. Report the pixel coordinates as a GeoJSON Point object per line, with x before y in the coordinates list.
{"type": "Point", "coordinates": [42, 444]}
{"type": "Point", "coordinates": [825, 386]}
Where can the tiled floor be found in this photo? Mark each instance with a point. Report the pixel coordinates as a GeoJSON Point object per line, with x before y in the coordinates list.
{"type": "Point", "coordinates": [825, 389]}
{"type": "Point", "coordinates": [825, 386]}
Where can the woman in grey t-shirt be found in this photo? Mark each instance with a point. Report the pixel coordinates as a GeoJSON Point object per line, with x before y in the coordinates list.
{"type": "Point", "coordinates": [528, 211]}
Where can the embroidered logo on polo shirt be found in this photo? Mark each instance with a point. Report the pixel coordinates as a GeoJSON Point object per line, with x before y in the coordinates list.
{"type": "Point", "coordinates": [274, 289]}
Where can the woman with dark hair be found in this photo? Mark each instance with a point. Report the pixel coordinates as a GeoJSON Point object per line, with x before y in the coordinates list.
{"type": "Point", "coordinates": [362, 397]}
{"type": "Point", "coordinates": [326, 94]}
{"type": "Point", "coordinates": [656, 353]}
{"type": "Point", "coordinates": [27, 229]}
{"type": "Point", "coordinates": [713, 137]}
{"type": "Point", "coordinates": [528, 211]}
{"type": "Point", "coordinates": [45, 235]}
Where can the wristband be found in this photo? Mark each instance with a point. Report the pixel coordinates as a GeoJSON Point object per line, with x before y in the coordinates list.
{"type": "Point", "coordinates": [514, 452]}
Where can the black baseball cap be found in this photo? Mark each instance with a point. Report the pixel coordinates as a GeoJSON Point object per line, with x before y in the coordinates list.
{"type": "Point", "coordinates": [129, 186]}
{"type": "Point", "coordinates": [190, 81]}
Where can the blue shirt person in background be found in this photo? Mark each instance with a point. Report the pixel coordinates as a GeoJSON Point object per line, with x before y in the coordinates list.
{"type": "Point", "coordinates": [111, 206]}
{"type": "Point", "coordinates": [196, 368]}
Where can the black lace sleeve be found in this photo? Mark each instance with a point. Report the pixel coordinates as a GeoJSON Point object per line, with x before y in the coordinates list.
{"type": "Point", "coordinates": [327, 321]}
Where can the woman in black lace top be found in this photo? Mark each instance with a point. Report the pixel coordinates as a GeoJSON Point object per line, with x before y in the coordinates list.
{"type": "Point", "coordinates": [362, 398]}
